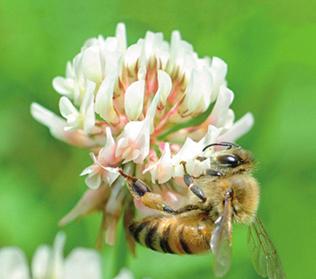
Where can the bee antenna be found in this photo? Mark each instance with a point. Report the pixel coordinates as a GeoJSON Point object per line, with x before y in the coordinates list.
{"type": "Point", "coordinates": [226, 144]}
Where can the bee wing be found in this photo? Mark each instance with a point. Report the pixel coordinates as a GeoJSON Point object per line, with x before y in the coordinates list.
{"type": "Point", "coordinates": [221, 243]}
{"type": "Point", "coordinates": [264, 255]}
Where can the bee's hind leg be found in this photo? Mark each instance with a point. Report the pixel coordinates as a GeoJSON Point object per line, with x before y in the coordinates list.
{"type": "Point", "coordinates": [140, 191]}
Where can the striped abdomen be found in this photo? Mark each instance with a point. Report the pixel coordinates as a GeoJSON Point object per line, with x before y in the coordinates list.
{"type": "Point", "coordinates": [174, 234]}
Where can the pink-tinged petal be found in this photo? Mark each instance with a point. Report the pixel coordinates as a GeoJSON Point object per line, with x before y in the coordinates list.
{"type": "Point", "coordinates": [162, 170]}
{"type": "Point", "coordinates": [164, 85]}
{"type": "Point", "coordinates": [110, 142]}
{"type": "Point", "coordinates": [143, 141]}
{"type": "Point", "coordinates": [83, 263]}
{"type": "Point", "coordinates": [91, 200]}
{"type": "Point", "coordinates": [64, 86]}
{"type": "Point", "coordinates": [136, 136]}
{"type": "Point", "coordinates": [220, 110]}
{"type": "Point", "coordinates": [106, 155]}
{"type": "Point", "coordinates": [55, 124]}
{"type": "Point", "coordinates": [41, 262]}
{"type": "Point", "coordinates": [239, 128]}
{"type": "Point", "coordinates": [135, 153]}
{"type": "Point", "coordinates": [13, 264]}
{"type": "Point", "coordinates": [111, 175]}
{"type": "Point", "coordinates": [122, 144]}
{"type": "Point", "coordinates": [104, 100]}
{"type": "Point", "coordinates": [46, 117]}
{"type": "Point", "coordinates": [57, 127]}
{"type": "Point", "coordinates": [134, 99]}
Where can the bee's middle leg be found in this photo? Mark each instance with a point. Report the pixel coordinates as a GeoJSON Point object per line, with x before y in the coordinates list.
{"type": "Point", "coordinates": [140, 191]}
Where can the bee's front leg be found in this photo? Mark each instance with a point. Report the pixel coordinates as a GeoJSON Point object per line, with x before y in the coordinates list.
{"type": "Point", "coordinates": [140, 191]}
{"type": "Point", "coordinates": [194, 188]}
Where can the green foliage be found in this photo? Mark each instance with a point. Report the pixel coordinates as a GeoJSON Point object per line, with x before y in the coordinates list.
{"type": "Point", "coordinates": [270, 50]}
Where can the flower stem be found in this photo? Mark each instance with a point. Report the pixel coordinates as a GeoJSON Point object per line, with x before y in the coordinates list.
{"type": "Point", "coordinates": [120, 254]}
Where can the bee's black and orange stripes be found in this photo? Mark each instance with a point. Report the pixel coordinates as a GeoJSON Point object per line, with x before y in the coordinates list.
{"type": "Point", "coordinates": [174, 234]}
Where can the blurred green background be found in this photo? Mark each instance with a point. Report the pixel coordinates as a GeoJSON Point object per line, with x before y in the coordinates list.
{"type": "Point", "coordinates": [270, 50]}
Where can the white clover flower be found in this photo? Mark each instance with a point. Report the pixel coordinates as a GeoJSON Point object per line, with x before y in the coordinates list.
{"type": "Point", "coordinates": [49, 263]}
{"type": "Point", "coordinates": [96, 174]}
{"type": "Point", "coordinates": [57, 127]}
{"type": "Point", "coordinates": [162, 170]}
{"type": "Point", "coordinates": [13, 264]}
{"type": "Point", "coordinates": [148, 107]}
{"type": "Point", "coordinates": [83, 119]}
{"type": "Point", "coordinates": [126, 274]}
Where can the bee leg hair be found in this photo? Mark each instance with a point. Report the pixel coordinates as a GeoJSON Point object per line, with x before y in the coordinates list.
{"type": "Point", "coordinates": [140, 191]}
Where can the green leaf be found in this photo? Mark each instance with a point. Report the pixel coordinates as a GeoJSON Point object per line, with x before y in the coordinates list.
{"type": "Point", "coordinates": [189, 123]}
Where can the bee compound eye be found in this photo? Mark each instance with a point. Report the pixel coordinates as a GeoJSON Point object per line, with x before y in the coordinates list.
{"type": "Point", "coordinates": [229, 160]}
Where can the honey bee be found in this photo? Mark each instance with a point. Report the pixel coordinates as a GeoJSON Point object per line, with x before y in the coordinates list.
{"type": "Point", "coordinates": [224, 194]}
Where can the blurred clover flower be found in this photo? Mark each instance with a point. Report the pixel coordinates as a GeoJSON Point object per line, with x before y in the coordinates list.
{"type": "Point", "coordinates": [49, 263]}
{"type": "Point", "coordinates": [125, 274]}
{"type": "Point", "coordinates": [144, 108]}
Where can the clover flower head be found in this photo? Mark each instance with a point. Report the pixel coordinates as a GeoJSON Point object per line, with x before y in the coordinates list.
{"type": "Point", "coordinates": [48, 262]}
{"type": "Point", "coordinates": [146, 107]}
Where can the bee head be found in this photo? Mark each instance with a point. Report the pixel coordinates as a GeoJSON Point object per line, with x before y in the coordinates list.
{"type": "Point", "coordinates": [229, 158]}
